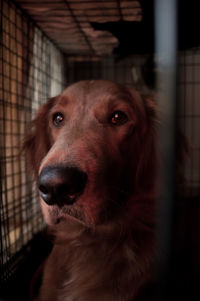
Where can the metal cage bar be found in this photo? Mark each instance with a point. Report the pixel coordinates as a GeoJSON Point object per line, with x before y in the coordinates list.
{"type": "Point", "coordinates": [166, 58]}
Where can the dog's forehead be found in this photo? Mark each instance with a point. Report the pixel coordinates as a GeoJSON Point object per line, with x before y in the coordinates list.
{"type": "Point", "coordinates": [91, 92]}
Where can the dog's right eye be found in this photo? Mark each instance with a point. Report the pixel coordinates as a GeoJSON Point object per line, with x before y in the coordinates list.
{"type": "Point", "coordinates": [118, 118]}
{"type": "Point", "coordinates": [57, 119]}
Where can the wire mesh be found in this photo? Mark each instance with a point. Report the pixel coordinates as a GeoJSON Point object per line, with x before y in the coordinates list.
{"type": "Point", "coordinates": [31, 71]}
{"type": "Point", "coordinates": [189, 113]}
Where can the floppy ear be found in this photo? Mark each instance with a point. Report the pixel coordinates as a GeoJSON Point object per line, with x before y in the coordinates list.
{"type": "Point", "coordinates": [36, 142]}
{"type": "Point", "coordinates": [148, 160]}
{"type": "Point", "coordinates": [150, 156]}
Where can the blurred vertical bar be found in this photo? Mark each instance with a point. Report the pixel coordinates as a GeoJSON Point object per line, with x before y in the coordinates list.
{"type": "Point", "coordinates": [166, 58]}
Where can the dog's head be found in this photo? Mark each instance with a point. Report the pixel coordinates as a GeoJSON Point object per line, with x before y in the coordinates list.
{"type": "Point", "coordinates": [93, 151]}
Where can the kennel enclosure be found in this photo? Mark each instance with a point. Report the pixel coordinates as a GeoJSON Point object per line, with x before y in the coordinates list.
{"type": "Point", "coordinates": [47, 45]}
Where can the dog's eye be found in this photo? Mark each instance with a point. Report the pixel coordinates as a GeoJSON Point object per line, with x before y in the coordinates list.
{"type": "Point", "coordinates": [118, 118]}
{"type": "Point", "coordinates": [57, 119]}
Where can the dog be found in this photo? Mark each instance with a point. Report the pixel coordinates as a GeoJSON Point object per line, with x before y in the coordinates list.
{"type": "Point", "coordinates": [94, 154]}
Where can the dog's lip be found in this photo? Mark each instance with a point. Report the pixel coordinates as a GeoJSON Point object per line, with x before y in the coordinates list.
{"type": "Point", "coordinates": [68, 217]}
{"type": "Point", "coordinates": [65, 214]}
{"type": "Point", "coordinates": [65, 217]}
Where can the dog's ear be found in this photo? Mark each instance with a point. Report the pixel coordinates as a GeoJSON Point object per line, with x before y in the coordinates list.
{"type": "Point", "coordinates": [36, 142]}
{"type": "Point", "coordinates": [148, 158]}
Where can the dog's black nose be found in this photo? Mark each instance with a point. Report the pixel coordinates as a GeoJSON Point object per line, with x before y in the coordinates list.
{"type": "Point", "coordinates": [61, 185]}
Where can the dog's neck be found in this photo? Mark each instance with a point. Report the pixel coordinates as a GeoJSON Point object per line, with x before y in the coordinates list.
{"type": "Point", "coordinates": [85, 261]}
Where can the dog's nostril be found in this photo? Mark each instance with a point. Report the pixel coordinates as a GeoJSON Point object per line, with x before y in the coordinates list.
{"type": "Point", "coordinates": [43, 189]}
{"type": "Point", "coordinates": [61, 185]}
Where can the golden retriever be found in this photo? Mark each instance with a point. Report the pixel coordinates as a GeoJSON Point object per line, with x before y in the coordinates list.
{"type": "Point", "coordinates": [93, 151]}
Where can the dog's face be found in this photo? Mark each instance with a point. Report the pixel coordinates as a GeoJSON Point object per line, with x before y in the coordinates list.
{"type": "Point", "coordinates": [88, 147]}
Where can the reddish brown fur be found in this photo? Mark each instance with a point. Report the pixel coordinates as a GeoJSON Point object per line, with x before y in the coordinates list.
{"type": "Point", "coordinates": [104, 246]}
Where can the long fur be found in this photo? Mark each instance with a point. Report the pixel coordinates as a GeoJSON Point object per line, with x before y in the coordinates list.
{"type": "Point", "coordinates": [103, 244]}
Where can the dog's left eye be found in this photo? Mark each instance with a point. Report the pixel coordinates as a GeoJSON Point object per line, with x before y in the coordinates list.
{"type": "Point", "coordinates": [118, 118]}
{"type": "Point", "coordinates": [57, 119]}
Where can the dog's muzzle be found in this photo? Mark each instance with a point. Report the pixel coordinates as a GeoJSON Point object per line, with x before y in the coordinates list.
{"type": "Point", "coordinates": [59, 185]}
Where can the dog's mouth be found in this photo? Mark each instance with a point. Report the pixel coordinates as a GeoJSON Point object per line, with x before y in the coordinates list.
{"type": "Point", "coordinates": [66, 213]}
